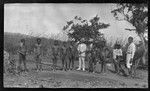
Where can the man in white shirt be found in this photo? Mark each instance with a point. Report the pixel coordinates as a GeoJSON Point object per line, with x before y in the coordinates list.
{"type": "Point", "coordinates": [130, 53]}
{"type": "Point", "coordinates": [81, 49]}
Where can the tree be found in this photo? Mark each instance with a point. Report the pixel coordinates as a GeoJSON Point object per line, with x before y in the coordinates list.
{"type": "Point", "coordinates": [137, 15]}
{"type": "Point", "coordinates": [79, 29]}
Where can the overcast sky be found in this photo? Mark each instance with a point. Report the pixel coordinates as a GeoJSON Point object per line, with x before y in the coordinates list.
{"type": "Point", "coordinates": [50, 18]}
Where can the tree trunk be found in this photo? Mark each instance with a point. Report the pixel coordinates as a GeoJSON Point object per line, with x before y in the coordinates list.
{"type": "Point", "coordinates": [145, 49]}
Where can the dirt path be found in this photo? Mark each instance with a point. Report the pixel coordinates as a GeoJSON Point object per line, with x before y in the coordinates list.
{"type": "Point", "coordinates": [74, 79]}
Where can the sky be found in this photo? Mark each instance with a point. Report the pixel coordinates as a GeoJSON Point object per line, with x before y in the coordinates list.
{"type": "Point", "coordinates": [49, 19]}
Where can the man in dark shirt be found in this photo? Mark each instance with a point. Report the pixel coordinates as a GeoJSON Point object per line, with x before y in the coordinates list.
{"type": "Point", "coordinates": [22, 55]}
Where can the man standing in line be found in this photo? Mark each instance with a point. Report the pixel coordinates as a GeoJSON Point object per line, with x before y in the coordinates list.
{"type": "Point", "coordinates": [37, 51]}
{"type": "Point", "coordinates": [82, 50]}
{"type": "Point", "coordinates": [105, 57]}
{"type": "Point", "coordinates": [55, 54]}
{"type": "Point", "coordinates": [67, 56]}
{"type": "Point", "coordinates": [72, 55]}
{"type": "Point", "coordinates": [63, 55]}
{"type": "Point", "coordinates": [130, 54]}
{"type": "Point", "coordinates": [117, 57]}
{"type": "Point", "coordinates": [90, 57]}
{"type": "Point", "coordinates": [6, 61]}
{"type": "Point", "coordinates": [22, 55]}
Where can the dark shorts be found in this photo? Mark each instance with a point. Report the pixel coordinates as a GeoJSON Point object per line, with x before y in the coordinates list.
{"type": "Point", "coordinates": [37, 57]}
{"type": "Point", "coordinates": [22, 57]}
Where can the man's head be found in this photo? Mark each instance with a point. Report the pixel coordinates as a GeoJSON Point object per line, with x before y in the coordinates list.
{"type": "Point", "coordinates": [38, 40]}
{"type": "Point", "coordinates": [72, 43]}
{"type": "Point", "coordinates": [69, 42]}
{"type": "Point", "coordinates": [22, 41]}
{"type": "Point", "coordinates": [117, 46]}
{"type": "Point", "coordinates": [103, 43]}
{"type": "Point", "coordinates": [106, 50]}
{"type": "Point", "coordinates": [55, 42]}
{"type": "Point", "coordinates": [64, 44]}
{"type": "Point", "coordinates": [130, 39]}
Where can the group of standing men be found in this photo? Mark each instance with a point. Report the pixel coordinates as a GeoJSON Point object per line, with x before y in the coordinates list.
{"type": "Point", "coordinates": [23, 52]}
{"type": "Point", "coordinates": [69, 51]}
{"type": "Point", "coordinates": [66, 53]}
{"type": "Point", "coordinates": [100, 53]}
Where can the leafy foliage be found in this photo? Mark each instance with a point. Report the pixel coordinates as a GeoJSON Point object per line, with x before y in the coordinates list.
{"type": "Point", "coordinates": [84, 30]}
{"type": "Point", "coordinates": [136, 14]}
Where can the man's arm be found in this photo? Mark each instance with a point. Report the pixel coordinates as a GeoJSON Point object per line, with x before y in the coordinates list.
{"type": "Point", "coordinates": [26, 49]}
{"type": "Point", "coordinates": [133, 48]}
{"type": "Point", "coordinates": [114, 54]}
{"type": "Point", "coordinates": [19, 50]}
{"type": "Point", "coordinates": [34, 49]}
{"type": "Point", "coordinates": [120, 52]}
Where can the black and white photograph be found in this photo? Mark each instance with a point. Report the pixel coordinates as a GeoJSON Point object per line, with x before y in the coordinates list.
{"type": "Point", "coordinates": [75, 45]}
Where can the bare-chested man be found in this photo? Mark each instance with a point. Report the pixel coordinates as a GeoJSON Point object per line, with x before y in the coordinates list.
{"type": "Point", "coordinates": [37, 51]}
{"type": "Point", "coordinates": [22, 56]}
{"type": "Point", "coordinates": [63, 54]}
{"type": "Point", "coordinates": [55, 54]}
{"type": "Point", "coordinates": [72, 54]}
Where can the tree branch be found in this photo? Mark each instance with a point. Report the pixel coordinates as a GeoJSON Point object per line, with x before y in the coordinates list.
{"type": "Point", "coordinates": [130, 29]}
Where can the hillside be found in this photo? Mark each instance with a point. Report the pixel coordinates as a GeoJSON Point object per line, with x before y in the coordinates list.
{"type": "Point", "coordinates": [11, 41]}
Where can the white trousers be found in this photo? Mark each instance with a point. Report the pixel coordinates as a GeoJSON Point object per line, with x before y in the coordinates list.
{"type": "Point", "coordinates": [81, 63]}
{"type": "Point", "coordinates": [128, 59]}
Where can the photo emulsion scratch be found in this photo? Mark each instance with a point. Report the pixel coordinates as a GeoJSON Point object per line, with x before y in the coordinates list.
{"type": "Point", "coordinates": [70, 45]}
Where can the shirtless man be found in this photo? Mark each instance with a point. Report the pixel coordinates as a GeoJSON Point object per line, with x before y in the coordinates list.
{"type": "Point", "coordinates": [37, 51]}
{"type": "Point", "coordinates": [72, 52]}
{"type": "Point", "coordinates": [22, 55]}
{"type": "Point", "coordinates": [55, 54]}
{"type": "Point", "coordinates": [62, 55]}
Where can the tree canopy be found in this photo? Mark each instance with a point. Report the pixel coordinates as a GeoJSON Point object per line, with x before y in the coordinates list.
{"type": "Point", "coordinates": [136, 14]}
{"type": "Point", "coordinates": [80, 29]}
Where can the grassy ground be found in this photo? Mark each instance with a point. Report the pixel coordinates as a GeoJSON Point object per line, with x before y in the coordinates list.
{"type": "Point", "coordinates": [73, 79]}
